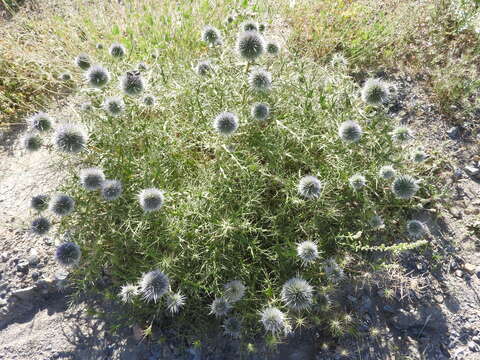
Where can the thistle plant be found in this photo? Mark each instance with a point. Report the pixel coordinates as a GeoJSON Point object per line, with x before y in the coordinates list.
{"type": "Point", "coordinates": [92, 178]}
{"type": "Point", "coordinates": [260, 111]}
{"type": "Point", "coordinates": [175, 302]}
{"type": "Point", "coordinates": [250, 45]}
{"type": "Point", "coordinates": [203, 67]}
{"type": "Point", "coordinates": [274, 321]}
{"type": "Point", "coordinates": [226, 123]}
{"type": "Point", "coordinates": [111, 189]}
{"type": "Point", "coordinates": [39, 202]}
{"type": "Point", "coordinates": [65, 76]}
{"type": "Point", "coordinates": [40, 122]}
{"type": "Point", "coordinates": [350, 132]}
{"type": "Point", "coordinates": [149, 100]}
{"type": "Point", "coordinates": [234, 291]}
{"type": "Point", "coordinates": [220, 307]}
{"type": "Point", "coordinates": [128, 293]}
{"type": "Point", "coordinates": [83, 61]}
{"type": "Point", "coordinates": [416, 229]}
{"type": "Point", "coordinates": [132, 83]}
{"type": "Point", "coordinates": [70, 138]}
{"type": "Point", "coordinates": [114, 106]}
{"type": "Point", "coordinates": [375, 92]}
{"type": "Point", "coordinates": [249, 25]}
{"type": "Point", "coordinates": [297, 294]}
{"type": "Point", "coordinates": [40, 225]}
{"type": "Point", "coordinates": [68, 254]}
{"type": "Point", "coordinates": [333, 271]}
{"type": "Point", "coordinates": [262, 27]}
{"type": "Point", "coordinates": [150, 199]}
{"type": "Point", "coordinates": [32, 142]}
{"type": "Point", "coordinates": [404, 187]}
{"type": "Point", "coordinates": [310, 187]}
{"type": "Point", "coordinates": [419, 156]}
{"type": "Point", "coordinates": [273, 48]}
{"type": "Point", "coordinates": [338, 60]}
{"type": "Point", "coordinates": [62, 205]}
{"type": "Point", "coordinates": [401, 134]}
{"type": "Point", "coordinates": [97, 76]}
{"type": "Point", "coordinates": [211, 35]}
{"type": "Point", "coordinates": [117, 50]}
{"type": "Point", "coordinates": [260, 80]}
{"type": "Point", "coordinates": [232, 327]}
{"type": "Point", "coordinates": [387, 172]}
{"type": "Point", "coordinates": [357, 182]}
{"type": "Point", "coordinates": [307, 251]}
{"type": "Point", "coordinates": [376, 222]}
{"type": "Point", "coordinates": [154, 285]}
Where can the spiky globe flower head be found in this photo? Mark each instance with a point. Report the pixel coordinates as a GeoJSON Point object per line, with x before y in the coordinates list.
{"type": "Point", "coordinates": [40, 225]}
{"type": "Point", "coordinates": [114, 105]}
{"type": "Point", "coordinates": [203, 67]}
{"type": "Point", "coordinates": [132, 83]}
{"type": "Point", "coordinates": [404, 187]}
{"type": "Point", "coordinates": [65, 76]}
{"type": "Point", "coordinates": [40, 122]}
{"type": "Point", "coordinates": [83, 61]}
{"type": "Point", "coordinates": [128, 293]}
{"type": "Point", "coordinates": [70, 138]}
{"type": "Point", "coordinates": [68, 254]}
{"type": "Point", "coordinates": [387, 172]}
{"type": "Point", "coordinates": [232, 327]}
{"type": "Point", "coordinates": [142, 66]}
{"type": "Point", "coordinates": [297, 294]}
{"type": "Point", "coordinates": [416, 229]}
{"type": "Point", "coordinates": [32, 142]}
{"type": "Point", "coordinates": [375, 92]}
{"type": "Point", "coordinates": [250, 45]}
{"type": "Point", "coordinates": [274, 320]}
{"type": "Point", "coordinates": [307, 251]}
{"type": "Point", "coordinates": [175, 301]}
{"type": "Point", "coordinates": [149, 100]}
{"type": "Point", "coordinates": [154, 285]}
{"type": "Point", "coordinates": [220, 307]}
{"type": "Point", "coordinates": [97, 76]}
{"type": "Point", "coordinates": [234, 291]}
{"type": "Point", "coordinates": [226, 123]}
{"type": "Point", "coordinates": [376, 222]}
{"type": "Point", "coordinates": [310, 187]}
{"type": "Point", "coordinates": [262, 27]}
{"type": "Point", "coordinates": [230, 18]}
{"type": "Point", "coordinates": [111, 189]}
{"type": "Point", "coordinates": [249, 25]}
{"type": "Point", "coordinates": [419, 156]}
{"type": "Point", "coordinates": [350, 132]}
{"type": "Point", "coordinates": [117, 50]}
{"type": "Point", "coordinates": [39, 202]}
{"type": "Point", "coordinates": [150, 199]}
{"type": "Point", "coordinates": [334, 272]}
{"type": "Point", "coordinates": [99, 46]}
{"type": "Point", "coordinates": [357, 182]}
{"type": "Point", "coordinates": [260, 80]}
{"type": "Point", "coordinates": [273, 48]}
{"type": "Point", "coordinates": [62, 205]}
{"type": "Point", "coordinates": [92, 178]}
{"type": "Point", "coordinates": [260, 111]}
{"type": "Point", "coordinates": [401, 134]}
{"type": "Point", "coordinates": [338, 60]}
{"type": "Point", "coordinates": [86, 106]}
{"type": "Point", "coordinates": [211, 35]}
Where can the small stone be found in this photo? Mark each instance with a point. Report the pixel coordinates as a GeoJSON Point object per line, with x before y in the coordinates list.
{"type": "Point", "coordinates": [33, 258]}
{"type": "Point", "coordinates": [459, 273]}
{"type": "Point", "coordinates": [477, 271]}
{"type": "Point", "coordinates": [458, 173]}
{"type": "Point", "coordinates": [473, 346]}
{"type": "Point", "coordinates": [472, 170]}
{"type": "Point", "coordinates": [35, 275]}
{"type": "Point", "coordinates": [4, 257]}
{"type": "Point", "coordinates": [469, 268]}
{"type": "Point", "coordinates": [3, 302]}
{"type": "Point", "coordinates": [453, 132]}
{"type": "Point", "coordinates": [22, 265]}
{"type": "Point", "coordinates": [456, 213]}
{"type": "Point", "coordinates": [438, 298]}
{"type": "Point", "coordinates": [24, 294]}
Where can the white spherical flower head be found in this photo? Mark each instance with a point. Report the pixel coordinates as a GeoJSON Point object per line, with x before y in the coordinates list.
{"type": "Point", "coordinates": [132, 83]}
{"type": "Point", "coordinates": [375, 92]}
{"type": "Point", "coordinates": [151, 199]}
{"type": "Point", "coordinates": [154, 285]}
{"type": "Point", "coordinates": [232, 327]}
{"type": "Point", "coordinates": [149, 100]}
{"type": "Point", "coordinates": [338, 60]}
{"type": "Point", "coordinates": [387, 172]}
{"type": "Point", "coordinates": [220, 307]}
{"type": "Point", "coordinates": [111, 189]}
{"type": "Point", "coordinates": [97, 76]}
{"type": "Point", "coordinates": [32, 142]}
{"type": "Point", "coordinates": [260, 80]}
{"type": "Point", "coordinates": [62, 205]}
{"type": "Point", "coordinates": [40, 225]}
{"type": "Point", "coordinates": [68, 254]}
{"type": "Point", "coordinates": [70, 138]}
{"type": "Point", "coordinates": [419, 156]}
{"type": "Point", "coordinates": [211, 35]}
{"type": "Point", "coordinates": [128, 293]}
{"type": "Point", "coordinates": [117, 50]}
{"type": "Point", "coordinates": [274, 321]}
{"type": "Point", "coordinates": [310, 187]}
{"type": "Point", "coordinates": [357, 182]}
{"type": "Point", "coordinates": [39, 202]}
{"type": "Point", "coordinates": [203, 67]}
{"type": "Point", "coordinates": [249, 25]}
{"type": "Point", "coordinates": [273, 48]}
{"type": "Point", "coordinates": [307, 251]}
{"type": "Point", "coordinates": [297, 294]}
{"type": "Point", "coordinates": [260, 111]}
{"type": "Point", "coordinates": [65, 76]}
{"type": "Point", "coordinates": [114, 106]}
{"type": "Point", "coordinates": [92, 178]}
{"type": "Point", "coordinates": [350, 132]}
{"type": "Point", "coordinates": [226, 123]}
{"type": "Point", "coordinates": [83, 61]}
{"type": "Point", "coordinates": [250, 45]}
{"type": "Point", "coordinates": [40, 122]}
{"type": "Point", "coordinates": [175, 302]}
{"type": "Point", "coordinates": [404, 187]}
{"type": "Point", "coordinates": [416, 229]}
{"type": "Point", "coordinates": [402, 134]}
{"type": "Point", "coordinates": [234, 291]}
